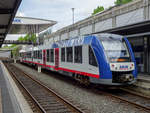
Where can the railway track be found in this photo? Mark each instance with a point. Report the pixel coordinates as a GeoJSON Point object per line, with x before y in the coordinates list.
{"type": "Point", "coordinates": [129, 97]}
{"type": "Point", "coordinates": [46, 99]}
{"type": "Point", "coordinates": [133, 98]}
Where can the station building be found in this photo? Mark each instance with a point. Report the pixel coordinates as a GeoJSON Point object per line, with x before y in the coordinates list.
{"type": "Point", "coordinates": [141, 48]}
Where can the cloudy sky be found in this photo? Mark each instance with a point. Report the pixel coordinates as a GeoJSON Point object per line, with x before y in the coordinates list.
{"type": "Point", "coordinates": [60, 10]}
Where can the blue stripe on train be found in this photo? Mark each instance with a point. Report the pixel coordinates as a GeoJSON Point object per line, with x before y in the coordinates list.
{"type": "Point", "coordinates": [104, 67]}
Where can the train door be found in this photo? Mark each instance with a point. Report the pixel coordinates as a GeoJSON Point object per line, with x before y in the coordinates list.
{"type": "Point", "coordinates": [44, 57]}
{"type": "Point", "coordinates": [56, 58]}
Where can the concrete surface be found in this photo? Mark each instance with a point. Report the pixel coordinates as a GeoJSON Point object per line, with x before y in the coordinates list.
{"type": "Point", "coordinates": [0, 102]}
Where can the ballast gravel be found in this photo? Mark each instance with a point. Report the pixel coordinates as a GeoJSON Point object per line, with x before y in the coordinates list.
{"type": "Point", "coordinates": [91, 102]}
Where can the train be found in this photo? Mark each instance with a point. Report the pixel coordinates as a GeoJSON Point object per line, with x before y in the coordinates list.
{"type": "Point", "coordinates": [104, 58]}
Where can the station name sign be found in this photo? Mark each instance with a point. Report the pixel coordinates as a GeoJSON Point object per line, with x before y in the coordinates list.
{"type": "Point", "coordinates": [17, 20]}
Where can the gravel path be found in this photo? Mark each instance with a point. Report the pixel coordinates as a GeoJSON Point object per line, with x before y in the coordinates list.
{"type": "Point", "coordinates": [96, 103]}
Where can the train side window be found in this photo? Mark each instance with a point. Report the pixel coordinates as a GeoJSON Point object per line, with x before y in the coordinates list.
{"type": "Point", "coordinates": [40, 54]}
{"type": "Point", "coordinates": [92, 59]}
{"type": "Point", "coordinates": [33, 54]}
{"type": "Point", "coordinates": [47, 52]}
{"type": "Point", "coordinates": [51, 55]}
{"type": "Point", "coordinates": [78, 54]}
{"type": "Point", "coordinates": [69, 54]}
{"type": "Point", "coordinates": [63, 54]}
{"type": "Point", "coordinates": [26, 54]}
{"type": "Point", "coordinates": [30, 54]}
{"type": "Point", "coordinates": [36, 54]}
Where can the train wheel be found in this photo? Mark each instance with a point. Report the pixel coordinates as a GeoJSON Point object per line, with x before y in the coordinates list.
{"type": "Point", "coordinates": [82, 79]}
{"type": "Point", "coordinates": [85, 80]}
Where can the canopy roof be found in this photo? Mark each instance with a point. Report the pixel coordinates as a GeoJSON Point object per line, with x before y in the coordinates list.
{"type": "Point", "coordinates": [8, 9]}
{"type": "Point", "coordinates": [24, 25]}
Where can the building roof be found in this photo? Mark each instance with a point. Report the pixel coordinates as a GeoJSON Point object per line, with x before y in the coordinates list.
{"type": "Point", "coordinates": [8, 9]}
{"type": "Point", "coordinates": [24, 25]}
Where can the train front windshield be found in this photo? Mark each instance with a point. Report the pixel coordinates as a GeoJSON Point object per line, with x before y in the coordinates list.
{"type": "Point", "coordinates": [115, 48]}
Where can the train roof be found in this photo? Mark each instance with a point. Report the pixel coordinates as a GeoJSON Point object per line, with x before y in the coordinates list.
{"type": "Point", "coordinates": [77, 41]}
{"type": "Point", "coordinates": [83, 40]}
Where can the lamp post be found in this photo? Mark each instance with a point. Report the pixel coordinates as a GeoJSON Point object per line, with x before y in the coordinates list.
{"type": "Point", "coordinates": [72, 15]}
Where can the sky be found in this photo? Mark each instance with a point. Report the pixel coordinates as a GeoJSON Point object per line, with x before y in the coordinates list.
{"type": "Point", "coordinates": [59, 10]}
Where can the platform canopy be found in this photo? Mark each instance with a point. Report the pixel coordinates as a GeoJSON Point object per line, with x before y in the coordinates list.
{"type": "Point", "coordinates": [8, 9]}
{"type": "Point", "coordinates": [25, 25]}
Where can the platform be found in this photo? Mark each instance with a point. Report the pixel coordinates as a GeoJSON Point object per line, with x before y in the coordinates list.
{"type": "Point", "coordinates": [0, 102]}
{"type": "Point", "coordinates": [143, 81]}
{"type": "Point", "coordinates": [142, 85]}
{"type": "Point", "coordinates": [11, 99]}
{"type": "Point", "coordinates": [144, 77]}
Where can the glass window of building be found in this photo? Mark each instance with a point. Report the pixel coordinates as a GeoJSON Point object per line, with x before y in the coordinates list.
{"type": "Point", "coordinates": [138, 49]}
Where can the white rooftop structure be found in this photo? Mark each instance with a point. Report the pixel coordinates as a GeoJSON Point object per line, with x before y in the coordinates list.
{"type": "Point", "coordinates": [24, 25]}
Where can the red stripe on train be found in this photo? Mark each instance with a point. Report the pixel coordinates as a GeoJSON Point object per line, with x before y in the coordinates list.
{"type": "Point", "coordinates": [65, 69]}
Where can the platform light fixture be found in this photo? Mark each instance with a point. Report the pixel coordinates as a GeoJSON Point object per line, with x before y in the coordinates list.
{"type": "Point", "coordinates": [73, 15]}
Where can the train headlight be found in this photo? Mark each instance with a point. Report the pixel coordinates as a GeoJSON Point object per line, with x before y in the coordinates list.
{"type": "Point", "coordinates": [112, 65]}
{"type": "Point", "coordinates": [131, 66]}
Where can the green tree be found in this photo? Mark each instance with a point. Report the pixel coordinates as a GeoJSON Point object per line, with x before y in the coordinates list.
{"type": "Point", "coordinates": [28, 37]}
{"type": "Point", "coordinates": [120, 2]}
{"type": "Point", "coordinates": [21, 38]}
{"type": "Point", "coordinates": [98, 9]}
{"type": "Point", "coordinates": [33, 38]}
{"type": "Point", "coordinates": [16, 48]}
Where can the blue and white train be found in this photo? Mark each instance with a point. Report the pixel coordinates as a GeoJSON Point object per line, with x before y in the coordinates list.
{"type": "Point", "coordinates": [105, 59]}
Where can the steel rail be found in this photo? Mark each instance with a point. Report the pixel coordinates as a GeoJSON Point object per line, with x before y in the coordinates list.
{"type": "Point", "coordinates": [126, 100]}
{"type": "Point", "coordinates": [22, 85]}
{"type": "Point", "coordinates": [67, 103]}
